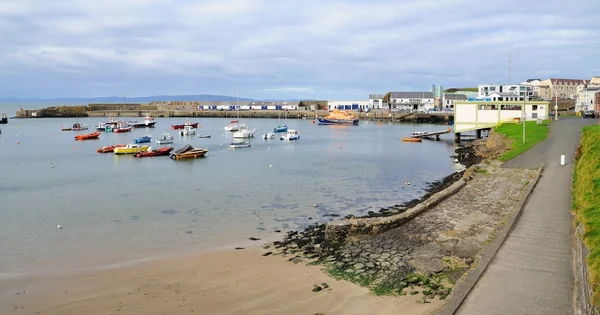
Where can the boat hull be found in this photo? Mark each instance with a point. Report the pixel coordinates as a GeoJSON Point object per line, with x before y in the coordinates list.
{"type": "Point", "coordinates": [280, 129]}
{"type": "Point", "coordinates": [120, 130]}
{"type": "Point", "coordinates": [142, 140]}
{"type": "Point", "coordinates": [189, 155]}
{"type": "Point", "coordinates": [157, 152]}
{"type": "Point", "coordinates": [121, 151]}
{"type": "Point", "coordinates": [93, 135]}
{"type": "Point", "coordinates": [411, 139]}
{"type": "Point", "coordinates": [177, 127]}
{"type": "Point", "coordinates": [326, 121]}
{"type": "Point", "coordinates": [144, 125]}
{"type": "Point", "coordinates": [109, 148]}
{"type": "Point", "coordinates": [240, 145]}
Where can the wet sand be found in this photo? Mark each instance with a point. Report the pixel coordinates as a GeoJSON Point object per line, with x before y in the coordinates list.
{"type": "Point", "coordinates": [220, 282]}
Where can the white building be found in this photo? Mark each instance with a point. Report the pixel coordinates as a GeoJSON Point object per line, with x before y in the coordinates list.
{"type": "Point", "coordinates": [349, 105]}
{"type": "Point", "coordinates": [376, 101]}
{"type": "Point", "coordinates": [505, 92]}
{"type": "Point", "coordinates": [448, 99]}
{"type": "Point", "coordinates": [474, 115]}
{"type": "Point", "coordinates": [412, 100]}
{"type": "Point", "coordinates": [584, 99]}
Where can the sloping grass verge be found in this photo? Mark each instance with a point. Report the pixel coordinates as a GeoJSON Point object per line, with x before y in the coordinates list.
{"type": "Point", "coordinates": [534, 134]}
{"type": "Point", "coordinates": [586, 201]}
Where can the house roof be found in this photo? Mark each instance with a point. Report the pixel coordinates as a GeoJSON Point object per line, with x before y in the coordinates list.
{"type": "Point", "coordinates": [568, 81]}
{"type": "Point", "coordinates": [375, 96]}
{"type": "Point", "coordinates": [452, 96]}
{"type": "Point", "coordinates": [411, 95]}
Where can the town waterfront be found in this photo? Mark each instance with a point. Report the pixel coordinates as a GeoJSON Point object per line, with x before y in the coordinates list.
{"type": "Point", "coordinates": [116, 209]}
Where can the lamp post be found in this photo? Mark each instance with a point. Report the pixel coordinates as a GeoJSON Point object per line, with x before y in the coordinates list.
{"type": "Point", "coordinates": [524, 116]}
{"type": "Point", "coordinates": [555, 100]}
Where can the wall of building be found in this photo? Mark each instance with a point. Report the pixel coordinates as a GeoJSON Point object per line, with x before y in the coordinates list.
{"type": "Point", "coordinates": [349, 105]}
{"type": "Point", "coordinates": [483, 114]}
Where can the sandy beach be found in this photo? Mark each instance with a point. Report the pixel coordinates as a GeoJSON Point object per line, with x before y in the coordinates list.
{"type": "Point", "coordinates": [220, 282]}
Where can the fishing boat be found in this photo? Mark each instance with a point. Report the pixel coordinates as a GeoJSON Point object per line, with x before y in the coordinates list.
{"type": "Point", "coordinates": [410, 139]}
{"type": "Point", "coordinates": [187, 123]}
{"type": "Point", "coordinates": [188, 152]}
{"type": "Point", "coordinates": [76, 127]}
{"type": "Point", "coordinates": [101, 126]}
{"type": "Point", "coordinates": [131, 148]}
{"type": "Point", "coordinates": [93, 135]}
{"type": "Point", "coordinates": [165, 138]}
{"type": "Point", "coordinates": [122, 127]}
{"type": "Point", "coordinates": [233, 126]}
{"type": "Point", "coordinates": [157, 152]}
{"type": "Point", "coordinates": [109, 148]}
{"type": "Point", "coordinates": [188, 130]}
{"type": "Point", "coordinates": [203, 136]}
{"type": "Point", "coordinates": [149, 121]}
{"type": "Point", "coordinates": [143, 139]}
{"type": "Point", "coordinates": [244, 132]}
{"type": "Point", "coordinates": [236, 145]}
{"type": "Point", "coordinates": [338, 117]}
{"type": "Point", "coordinates": [291, 135]}
{"type": "Point", "coordinates": [269, 135]}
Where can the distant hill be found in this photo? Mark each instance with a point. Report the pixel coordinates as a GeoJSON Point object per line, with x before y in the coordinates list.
{"type": "Point", "coordinates": [118, 99]}
{"type": "Point", "coordinates": [467, 89]}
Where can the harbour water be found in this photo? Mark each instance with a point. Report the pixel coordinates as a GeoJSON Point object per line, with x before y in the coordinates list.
{"type": "Point", "coordinates": [116, 209]}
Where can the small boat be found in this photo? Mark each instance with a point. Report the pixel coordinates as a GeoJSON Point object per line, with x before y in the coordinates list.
{"type": "Point", "coordinates": [338, 117]}
{"type": "Point", "coordinates": [244, 132]}
{"type": "Point", "coordinates": [93, 135]}
{"type": "Point", "coordinates": [109, 148]}
{"type": "Point", "coordinates": [122, 127]}
{"type": "Point", "coordinates": [149, 121]}
{"type": "Point", "coordinates": [291, 135]}
{"type": "Point", "coordinates": [157, 152]}
{"type": "Point", "coordinates": [143, 139]}
{"type": "Point", "coordinates": [235, 145]}
{"type": "Point", "coordinates": [233, 126]}
{"type": "Point", "coordinates": [280, 128]}
{"type": "Point", "coordinates": [188, 152]}
{"type": "Point", "coordinates": [269, 135]}
{"type": "Point", "coordinates": [131, 149]}
{"type": "Point", "coordinates": [203, 136]}
{"type": "Point", "coordinates": [187, 123]}
{"type": "Point", "coordinates": [165, 139]}
{"type": "Point", "coordinates": [411, 139]}
{"type": "Point", "coordinates": [188, 130]}
{"type": "Point", "coordinates": [76, 127]}
{"type": "Point", "coordinates": [101, 126]}
{"type": "Point", "coordinates": [416, 133]}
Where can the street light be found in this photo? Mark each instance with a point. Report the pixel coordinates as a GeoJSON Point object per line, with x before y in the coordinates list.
{"type": "Point", "coordinates": [524, 116]}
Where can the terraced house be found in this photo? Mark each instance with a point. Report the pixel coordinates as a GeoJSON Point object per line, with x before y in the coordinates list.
{"type": "Point", "coordinates": [561, 88]}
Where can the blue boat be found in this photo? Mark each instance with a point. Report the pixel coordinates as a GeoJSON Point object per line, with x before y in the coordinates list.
{"type": "Point", "coordinates": [143, 139]}
{"type": "Point", "coordinates": [281, 128]}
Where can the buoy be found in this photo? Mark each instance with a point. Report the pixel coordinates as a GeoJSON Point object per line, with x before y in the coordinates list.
{"type": "Point", "coordinates": [315, 205]}
{"type": "Point", "coordinates": [270, 165]}
{"type": "Point", "coordinates": [18, 142]}
{"type": "Point", "coordinates": [59, 226]}
{"type": "Point", "coordinates": [73, 147]}
{"type": "Point", "coordinates": [269, 148]}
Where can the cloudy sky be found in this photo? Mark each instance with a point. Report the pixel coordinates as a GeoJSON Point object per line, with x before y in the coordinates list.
{"type": "Point", "coordinates": [326, 49]}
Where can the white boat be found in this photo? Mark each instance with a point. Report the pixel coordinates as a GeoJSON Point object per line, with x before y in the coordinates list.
{"type": "Point", "coordinates": [235, 145]}
{"type": "Point", "coordinates": [233, 126]}
{"type": "Point", "coordinates": [244, 132]}
{"type": "Point", "coordinates": [165, 139]}
{"type": "Point", "coordinates": [188, 130]}
{"type": "Point", "coordinates": [269, 135]}
{"type": "Point", "coordinates": [292, 134]}
{"type": "Point", "coordinates": [203, 136]}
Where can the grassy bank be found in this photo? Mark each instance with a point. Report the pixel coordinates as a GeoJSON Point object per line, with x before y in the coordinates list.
{"type": "Point", "coordinates": [586, 201]}
{"type": "Point", "coordinates": [534, 134]}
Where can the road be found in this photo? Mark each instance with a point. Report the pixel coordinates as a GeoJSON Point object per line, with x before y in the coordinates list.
{"type": "Point", "coordinates": [532, 272]}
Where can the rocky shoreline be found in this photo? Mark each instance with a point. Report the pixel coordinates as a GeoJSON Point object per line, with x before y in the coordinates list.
{"type": "Point", "coordinates": [427, 254]}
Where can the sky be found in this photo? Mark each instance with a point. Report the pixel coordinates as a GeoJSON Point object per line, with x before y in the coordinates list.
{"type": "Point", "coordinates": [284, 49]}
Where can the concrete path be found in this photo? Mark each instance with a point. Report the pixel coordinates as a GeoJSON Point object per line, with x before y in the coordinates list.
{"type": "Point", "coordinates": [532, 272]}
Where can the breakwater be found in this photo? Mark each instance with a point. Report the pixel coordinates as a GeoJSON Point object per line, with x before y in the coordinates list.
{"type": "Point", "coordinates": [137, 110]}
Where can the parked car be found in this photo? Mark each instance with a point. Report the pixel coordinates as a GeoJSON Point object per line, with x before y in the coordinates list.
{"type": "Point", "coordinates": [588, 114]}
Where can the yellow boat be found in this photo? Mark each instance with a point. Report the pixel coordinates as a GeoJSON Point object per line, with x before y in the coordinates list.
{"type": "Point", "coordinates": [131, 149]}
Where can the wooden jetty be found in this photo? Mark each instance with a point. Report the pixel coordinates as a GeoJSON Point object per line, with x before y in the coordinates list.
{"type": "Point", "coordinates": [434, 135]}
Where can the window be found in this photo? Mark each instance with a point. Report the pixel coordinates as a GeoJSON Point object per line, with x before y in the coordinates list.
{"type": "Point", "coordinates": [534, 107]}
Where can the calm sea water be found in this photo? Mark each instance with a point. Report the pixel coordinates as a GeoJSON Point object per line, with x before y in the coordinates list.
{"type": "Point", "coordinates": [119, 208]}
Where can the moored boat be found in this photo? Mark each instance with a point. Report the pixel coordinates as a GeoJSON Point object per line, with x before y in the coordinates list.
{"type": "Point", "coordinates": [338, 117]}
{"type": "Point", "coordinates": [203, 136]}
{"type": "Point", "coordinates": [93, 135]}
{"type": "Point", "coordinates": [244, 132]}
{"type": "Point", "coordinates": [143, 139]}
{"type": "Point", "coordinates": [131, 148]}
{"type": "Point", "coordinates": [165, 138]}
{"type": "Point", "coordinates": [188, 152]}
{"type": "Point", "coordinates": [410, 139]}
{"type": "Point", "coordinates": [187, 123]}
{"type": "Point", "coordinates": [269, 135]}
{"type": "Point", "coordinates": [122, 127]}
{"type": "Point", "coordinates": [157, 152]}
{"type": "Point", "coordinates": [188, 130]}
{"type": "Point", "coordinates": [280, 128]}
{"type": "Point", "coordinates": [109, 148]}
{"type": "Point", "coordinates": [233, 126]}
{"type": "Point", "coordinates": [76, 127]}
{"type": "Point", "coordinates": [149, 121]}
{"type": "Point", "coordinates": [236, 145]}
{"type": "Point", "coordinates": [291, 135]}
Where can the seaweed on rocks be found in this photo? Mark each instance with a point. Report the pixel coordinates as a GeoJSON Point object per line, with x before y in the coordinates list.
{"type": "Point", "coordinates": [467, 155]}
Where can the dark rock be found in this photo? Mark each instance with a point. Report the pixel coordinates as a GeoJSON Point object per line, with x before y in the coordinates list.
{"type": "Point", "coordinates": [317, 288]}
{"type": "Point", "coordinates": [254, 238]}
{"type": "Point", "coordinates": [240, 248]}
{"type": "Point", "coordinates": [277, 231]}
{"type": "Point", "coordinates": [325, 285]}
{"type": "Point", "coordinates": [267, 253]}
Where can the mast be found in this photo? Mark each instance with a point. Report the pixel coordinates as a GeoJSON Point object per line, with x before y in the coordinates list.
{"type": "Point", "coordinates": [237, 93]}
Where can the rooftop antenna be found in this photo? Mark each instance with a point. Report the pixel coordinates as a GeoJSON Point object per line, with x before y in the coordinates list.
{"type": "Point", "coordinates": [510, 63]}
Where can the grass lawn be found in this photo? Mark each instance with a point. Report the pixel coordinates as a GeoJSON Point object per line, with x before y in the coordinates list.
{"type": "Point", "coordinates": [586, 201]}
{"type": "Point", "coordinates": [534, 134]}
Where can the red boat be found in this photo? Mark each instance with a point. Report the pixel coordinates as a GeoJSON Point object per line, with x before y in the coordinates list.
{"type": "Point", "coordinates": [157, 152]}
{"type": "Point", "coordinates": [175, 127]}
{"type": "Point", "coordinates": [123, 129]}
{"type": "Point", "coordinates": [109, 148]}
{"type": "Point", "coordinates": [93, 135]}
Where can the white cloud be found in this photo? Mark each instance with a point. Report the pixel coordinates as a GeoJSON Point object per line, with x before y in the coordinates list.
{"type": "Point", "coordinates": [287, 49]}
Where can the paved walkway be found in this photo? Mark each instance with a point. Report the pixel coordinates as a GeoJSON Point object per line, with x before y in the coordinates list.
{"type": "Point", "coordinates": [532, 272]}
